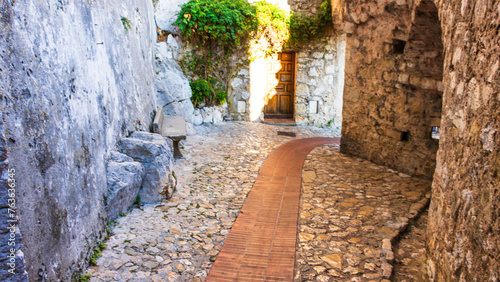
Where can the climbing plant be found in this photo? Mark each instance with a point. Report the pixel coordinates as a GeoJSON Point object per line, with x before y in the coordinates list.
{"type": "Point", "coordinates": [216, 29]}
{"type": "Point", "coordinates": [273, 23]}
{"type": "Point", "coordinates": [305, 28]}
{"type": "Point", "coordinates": [222, 22]}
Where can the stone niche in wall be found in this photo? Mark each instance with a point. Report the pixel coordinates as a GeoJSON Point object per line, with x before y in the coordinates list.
{"type": "Point", "coordinates": [393, 85]}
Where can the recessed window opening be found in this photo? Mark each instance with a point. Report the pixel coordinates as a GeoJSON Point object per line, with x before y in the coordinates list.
{"type": "Point", "coordinates": [435, 132]}
{"type": "Point", "coordinates": [398, 46]}
{"type": "Point", "coordinates": [405, 136]}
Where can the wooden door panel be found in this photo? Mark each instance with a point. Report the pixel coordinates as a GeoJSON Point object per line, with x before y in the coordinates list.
{"type": "Point", "coordinates": [284, 104]}
{"type": "Point", "coordinates": [272, 105]}
{"type": "Point", "coordinates": [286, 56]}
{"type": "Point", "coordinates": [285, 77]}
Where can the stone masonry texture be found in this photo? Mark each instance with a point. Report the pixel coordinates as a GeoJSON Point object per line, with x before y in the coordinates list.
{"type": "Point", "coordinates": [464, 224]}
{"type": "Point", "coordinates": [392, 99]}
{"type": "Point", "coordinates": [76, 76]}
{"type": "Point", "coordinates": [393, 88]}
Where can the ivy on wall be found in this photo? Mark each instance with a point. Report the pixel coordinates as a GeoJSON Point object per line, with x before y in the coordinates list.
{"type": "Point", "coordinates": [216, 29]}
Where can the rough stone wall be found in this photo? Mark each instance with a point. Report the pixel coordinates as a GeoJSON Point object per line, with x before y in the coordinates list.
{"type": "Point", "coordinates": [392, 91]}
{"type": "Point", "coordinates": [12, 266]}
{"type": "Point", "coordinates": [464, 216]}
{"type": "Point", "coordinates": [78, 75]}
{"type": "Point", "coordinates": [308, 7]}
{"type": "Point", "coordinates": [172, 86]}
{"type": "Point", "coordinates": [319, 72]}
{"type": "Point", "coordinates": [166, 14]}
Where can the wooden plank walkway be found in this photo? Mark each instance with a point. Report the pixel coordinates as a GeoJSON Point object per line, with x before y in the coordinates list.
{"type": "Point", "coordinates": [261, 244]}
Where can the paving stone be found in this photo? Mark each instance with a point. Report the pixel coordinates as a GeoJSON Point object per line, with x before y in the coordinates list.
{"type": "Point", "coordinates": [334, 260]}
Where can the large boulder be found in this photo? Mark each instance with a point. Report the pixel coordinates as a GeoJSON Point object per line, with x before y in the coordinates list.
{"type": "Point", "coordinates": [125, 178]}
{"type": "Point", "coordinates": [155, 153]}
{"type": "Point", "coordinates": [166, 14]}
{"type": "Point", "coordinates": [172, 86]}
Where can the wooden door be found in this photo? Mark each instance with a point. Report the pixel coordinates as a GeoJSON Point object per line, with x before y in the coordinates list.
{"type": "Point", "coordinates": [280, 76]}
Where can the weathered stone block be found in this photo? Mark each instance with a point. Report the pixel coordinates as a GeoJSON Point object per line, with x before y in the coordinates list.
{"type": "Point", "coordinates": [124, 178]}
{"type": "Point", "coordinates": [156, 155]}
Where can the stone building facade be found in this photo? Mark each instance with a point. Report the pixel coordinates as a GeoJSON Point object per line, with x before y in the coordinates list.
{"type": "Point", "coordinates": [318, 81]}
{"type": "Point", "coordinates": [318, 78]}
{"type": "Point", "coordinates": [414, 65]}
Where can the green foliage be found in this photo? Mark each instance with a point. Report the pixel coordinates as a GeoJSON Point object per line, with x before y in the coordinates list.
{"type": "Point", "coordinates": [217, 28]}
{"type": "Point", "coordinates": [273, 25]}
{"type": "Point", "coordinates": [137, 200]}
{"type": "Point", "coordinates": [208, 91]}
{"type": "Point", "coordinates": [268, 14]}
{"type": "Point", "coordinates": [221, 22]}
{"type": "Point", "coordinates": [220, 96]}
{"type": "Point", "coordinates": [97, 254]}
{"type": "Point", "coordinates": [123, 214]}
{"type": "Point", "coordinates": [84, 277]}
{"type": "Point", "coordinates": [201, 90]}
{"type": "Point", "coordinates": [102, 246]}
{"type": "Point", "coordinates": [126, 23]}
{"type": "Point", "coordinates": [304, 28]}
{"type": "Point", "coordinates": [291, 30]}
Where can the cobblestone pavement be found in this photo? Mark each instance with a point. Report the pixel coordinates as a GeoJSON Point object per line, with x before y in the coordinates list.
{"type": "Point", "coordinates": [410, 253]}
{"type": "Point", "coordinates": [179, 239]}
{"type": "Point", "coordinates": [352, 211]}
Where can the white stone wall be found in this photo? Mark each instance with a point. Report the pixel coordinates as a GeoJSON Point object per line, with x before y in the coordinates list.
{"type": "Point", "coordinates": [76, 80]}
{"type": "Point", "coordinates": [320, 80]}
{"type": "Point", "coordinates": [166, 13]}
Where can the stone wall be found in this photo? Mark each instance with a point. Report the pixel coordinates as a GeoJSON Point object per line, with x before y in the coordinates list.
{"type": "Point", "coordinates": [12, 262]}
{"type": "Point", "coordinates": [390, 82]}
{"type": "Point", "coordinates": [464, 223]}
{"type": "Point", "coordinates": [393, 88]}
{"type": "Point", "coordinates": [308, 7]}
{"type": "Point", "coordinates": [78, 76]}
{"type": "Point", "coordinates": [320, 80]}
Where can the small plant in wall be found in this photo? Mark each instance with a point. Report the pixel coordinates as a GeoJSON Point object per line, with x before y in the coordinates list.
{"type": "Point", "coordinates": [126, 23]}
